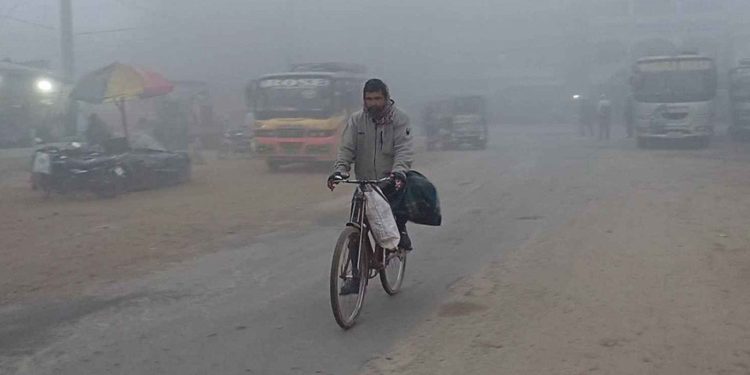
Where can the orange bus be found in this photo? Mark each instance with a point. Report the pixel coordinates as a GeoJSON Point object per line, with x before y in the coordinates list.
{"type": "Point", "coordinates": [300, 114]}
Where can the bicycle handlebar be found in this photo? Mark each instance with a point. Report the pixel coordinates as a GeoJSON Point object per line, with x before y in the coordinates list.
{"type": "Point", "coordinates": [362, 182]}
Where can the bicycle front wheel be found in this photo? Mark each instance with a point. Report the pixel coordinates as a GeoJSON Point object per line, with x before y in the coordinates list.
{"type": "Point", "coordinates": [349, 265]}
{"type": "Point", "coordinates": [394, 268]}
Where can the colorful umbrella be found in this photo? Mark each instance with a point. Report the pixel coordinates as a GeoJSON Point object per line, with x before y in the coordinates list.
{"type": "Point", "coordinates": [118, 83]}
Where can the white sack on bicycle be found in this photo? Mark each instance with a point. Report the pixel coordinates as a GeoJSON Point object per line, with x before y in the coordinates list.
{"type": "Point", "coordinates": [380, 217]}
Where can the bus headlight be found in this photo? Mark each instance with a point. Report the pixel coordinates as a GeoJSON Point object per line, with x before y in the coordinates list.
{"type": "Point", "coordinates": [45, 86]}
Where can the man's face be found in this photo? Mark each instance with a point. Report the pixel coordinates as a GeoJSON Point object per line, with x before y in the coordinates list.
{"type": "Point", "coordinates": [374, 101]}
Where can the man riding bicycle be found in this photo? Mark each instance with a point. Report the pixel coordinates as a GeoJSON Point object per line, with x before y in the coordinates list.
{"type": "Point", "coordinates": [377, 139]}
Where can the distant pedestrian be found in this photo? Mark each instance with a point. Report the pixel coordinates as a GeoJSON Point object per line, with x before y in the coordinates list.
{"type": "Point", "coordinates": [585, 117]}
{"type": "Point", "coordinates": [97, 131]}
{"type": "Point", "coordinates": [604, 116]}
{"type": "Point", "coordinates": [196, 151]}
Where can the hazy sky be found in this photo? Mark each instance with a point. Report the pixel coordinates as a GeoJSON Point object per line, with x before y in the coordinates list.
{"type": "Point", "coordinates": [227, 42]}
{"type": "Point", "coordinates": [418, 46]}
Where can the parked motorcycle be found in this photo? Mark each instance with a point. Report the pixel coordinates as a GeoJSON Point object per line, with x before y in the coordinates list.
{"type": "Point", "coordinates": [75, 169]}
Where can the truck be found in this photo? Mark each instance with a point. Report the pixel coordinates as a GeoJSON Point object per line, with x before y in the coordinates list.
{"type": "Point", "coordinates": [674, 98]}
{"type": "Point", "coordinates": [301, 113]}
{"type": "Point", "coordinates": [456, 121]}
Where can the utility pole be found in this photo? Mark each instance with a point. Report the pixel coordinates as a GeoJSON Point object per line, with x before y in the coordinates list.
{"type": "Point", "coordinates": [291, 29]}
{"type": "Point", "coordinates": [68, 61]}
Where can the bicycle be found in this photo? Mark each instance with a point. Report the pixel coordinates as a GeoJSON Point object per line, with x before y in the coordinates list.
{"type": "Point", "coordinates": [351, 263]}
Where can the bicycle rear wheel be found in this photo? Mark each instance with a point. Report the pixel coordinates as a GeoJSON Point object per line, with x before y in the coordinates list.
{"type": "Point", "coordinates": [346, 308]}
{"type": "Point", "coordinates": [394, 268]}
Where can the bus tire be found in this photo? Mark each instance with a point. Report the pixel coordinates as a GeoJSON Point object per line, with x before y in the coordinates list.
{"type": "Point", "coordinates": [274, 165]}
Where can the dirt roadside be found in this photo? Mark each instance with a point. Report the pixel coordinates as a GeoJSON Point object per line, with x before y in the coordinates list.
{"type": "Point", "coordinates": [650, 278]}
{"type": "Point", "coordinates": [64, 245]}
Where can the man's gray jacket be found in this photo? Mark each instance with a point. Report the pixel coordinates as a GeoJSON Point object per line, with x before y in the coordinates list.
{"type": "Point", "coordinates": [376, 151]}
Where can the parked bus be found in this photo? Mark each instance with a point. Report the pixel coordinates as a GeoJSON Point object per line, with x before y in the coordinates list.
{"type": "Point", "coordinates": [739, 100]}
{"type": "Point", "coordinates": [674, 97]}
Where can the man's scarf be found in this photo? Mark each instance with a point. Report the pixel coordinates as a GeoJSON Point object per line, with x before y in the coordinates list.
{"type": "Point", "coordinates": [384, 116]}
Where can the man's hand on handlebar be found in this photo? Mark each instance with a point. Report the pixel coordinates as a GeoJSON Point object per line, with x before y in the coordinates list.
{"type": "Point", "coordinates": [335, 178]}
{"type": "Point", "coordinates": [399, 180]}
{"type": "Point", "coordinates": [395, 181]}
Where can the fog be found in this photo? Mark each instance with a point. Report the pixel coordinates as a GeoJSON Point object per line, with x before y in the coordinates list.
{"type": "Point", "coordinates": [418, 46]}
{"type": "Point", "coordinates": [574, 175]}
{"type": "Point", "coordinates": [423, 49]}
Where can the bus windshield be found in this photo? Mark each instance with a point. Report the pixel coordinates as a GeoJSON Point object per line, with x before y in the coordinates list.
{"type": "Point", "coordinates": [675, 83]}
{"type": "Point", "coordinates": [294, 97]}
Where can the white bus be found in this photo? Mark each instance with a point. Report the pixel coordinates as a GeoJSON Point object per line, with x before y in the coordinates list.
{"type": "Point", "coordinates": [674, 97]}
{"type": "Point", "coordinates": [739, 100]}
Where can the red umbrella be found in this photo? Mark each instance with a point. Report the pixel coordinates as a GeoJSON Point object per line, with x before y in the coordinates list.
{"type": "Point", "coordinates": [156, 84]}
{"type": "Point", "coordinates": [118, 83]}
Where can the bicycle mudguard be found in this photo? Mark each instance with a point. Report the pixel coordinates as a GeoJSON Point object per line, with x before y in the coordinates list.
{"type": "Point", "coordinates": [354, 225]}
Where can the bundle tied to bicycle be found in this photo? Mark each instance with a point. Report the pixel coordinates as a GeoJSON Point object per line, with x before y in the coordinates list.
{"type": "Point", "coordinates": [382, 222]}
{"type": "Point", "coordinates": [418, 202]}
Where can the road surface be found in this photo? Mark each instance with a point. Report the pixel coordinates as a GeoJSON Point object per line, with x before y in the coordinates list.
{"type": "Point", "coordinates": [550, 244]}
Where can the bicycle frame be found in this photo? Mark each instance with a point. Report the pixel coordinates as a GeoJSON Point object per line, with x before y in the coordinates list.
{"type": "Point", "coordinates": [358, 219]}
{"type": "Point", "coordinates": [365, 257]}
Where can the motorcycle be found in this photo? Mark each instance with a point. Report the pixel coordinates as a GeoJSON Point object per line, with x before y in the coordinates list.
{"type": "Point", "coordinates": [235, 142]}
{"type": "Point", "coordinates": [75, 169]}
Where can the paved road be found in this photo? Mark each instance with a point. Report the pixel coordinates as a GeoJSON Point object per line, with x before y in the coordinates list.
{"type": "Point", "coordinates": [264, 308]}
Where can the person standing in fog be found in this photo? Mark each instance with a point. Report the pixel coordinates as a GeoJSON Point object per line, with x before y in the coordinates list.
{"type": "Point", "coordinates": [97, 131]}
{"type": "Point", "coordinates": [585, 117]}
{"type": "Point", "coordinates": [604, 117]}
